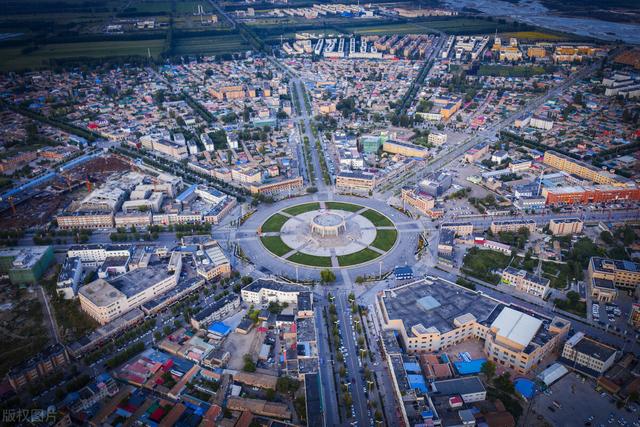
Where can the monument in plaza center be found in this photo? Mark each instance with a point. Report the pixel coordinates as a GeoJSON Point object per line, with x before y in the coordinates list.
{"type": "Point", "coordinates": [328, 224]}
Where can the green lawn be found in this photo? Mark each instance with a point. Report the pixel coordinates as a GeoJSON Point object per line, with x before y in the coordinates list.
{"type": "Point", "coordinates": [297, 210]}
{"type": "Point", "coordinates": [385, 239]}
{"type": "Point", "coordinates": [312, 260]}
{"type": "Point", "coordinates": [376, 218]}
{"type": "Point", "coordinates": [275, 245]}
{"type": "Point", "coordinates": [343, 206]}
{"type": "Point", "coordinates": [274, 223]}
{"type": "Point", "coordinates": [480, 264]}
{"type": "Point", "coordinates": [357, 257]}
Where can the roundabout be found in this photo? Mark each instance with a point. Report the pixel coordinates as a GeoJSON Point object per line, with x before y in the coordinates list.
{"type": "Point", "coordinates": [328, 234]}
{"type": "Point", "coordinates": [297, 238]}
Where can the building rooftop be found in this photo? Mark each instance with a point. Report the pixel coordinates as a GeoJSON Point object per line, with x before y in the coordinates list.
{"type": "Point", "coordinates": [530, 277]}
{"type": "Point", "coordinates": [407, 303]}
{"type": "Point", "coordinates": [585, 345]}
{"type": "Point", "coordinates": [464, 385]}
{"type": "Point", "coordinates": [273, 284]}
{"type": "Point", "coordinates": [609, 265]}
{"type": "Point", "coordinates": [136, 281]}
{"type": "Point", "coordinates": [516, 326]}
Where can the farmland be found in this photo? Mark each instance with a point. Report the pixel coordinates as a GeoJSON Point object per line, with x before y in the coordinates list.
{"type": "Point", "coordinates": [215, 45]}
{"type": "Point", "coordinates": [14, 59]}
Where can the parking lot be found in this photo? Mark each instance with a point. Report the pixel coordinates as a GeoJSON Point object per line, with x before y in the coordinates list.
{"type": "Point", "coordinates": [579, 404]}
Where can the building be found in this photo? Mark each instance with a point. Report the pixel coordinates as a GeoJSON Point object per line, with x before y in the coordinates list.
{"type": "Point", "coordinates": [106, 300]}
{"type": "Point", "coordinates": [436, 184]}
{"type": "Point", "coordinates": [446, 247]}
{"type": "Point", "coordinates": [602, 290]}
{"type": "Point", "coordinates": [405, 149]}
{"type": "Point", "coordinates": [69, 277]}
{"type": "Point", "coordinates": [433, 315]}
{"type": "Point", "coordinates": [85, 220]}
{"type": "Point", "coordinates": [526, 282]}
{"type": "Point", "coordinates": [25, 264]}
{"type": "Point", "coordinates": [565, 226]}
{"type": "Point", "coordinates": [43, 364]}
{"type": "Point", "coordinates": [459, 228]}
{"type": "Point", "coordinates": [220, 309]}
{"type": "Point", "coordinates": [93, 255]}
{"type": "Point", "coordinates": [624, 274]}
{"type": "Point", "coordinates": [292, 185]}
{"type": "Point", "coordinates": [211, 263]}
{"type": "Point", "coordinates": [261, 292]}
{"type": "Point", "coordinates": [470, 389]}
{"type": "Point", "coordinates": [476, 153]}
{"type": "Point", "coordinates": [587, 356]}
{"type": "Point", "coordinates": [499, 156]}
{"type": "Point", "coordinates": [355, 181]}
{"type": "Point", "coordinates": [590, 194]}
{"type": "Point", "coordinates": [512, 225]}
{"type": "Point", "coordinates": [539, 122]}
{"type": "Point", "coordinates": [419, 199]}
{"type": "Point", "coordinates": [436, 138]}
{"type": "Point", "coordinates": [578, 168]}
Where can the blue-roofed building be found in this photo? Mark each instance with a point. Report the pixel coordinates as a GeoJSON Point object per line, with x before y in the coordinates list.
{"type": "Point", "coordinates": [218, 329]}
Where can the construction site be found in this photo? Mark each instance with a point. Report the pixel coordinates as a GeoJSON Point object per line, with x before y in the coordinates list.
{"type": "Point", "coordinates": [36, 205]}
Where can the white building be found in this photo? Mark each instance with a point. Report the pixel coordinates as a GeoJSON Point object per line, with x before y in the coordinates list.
{"type": "Point", "coordinates": [69, 277]}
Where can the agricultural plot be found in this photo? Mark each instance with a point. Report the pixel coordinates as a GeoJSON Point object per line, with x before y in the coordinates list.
{"type": "Point", "coordinates": [14, 59]}
{"type": "Point", "coordinates": [214, 45]}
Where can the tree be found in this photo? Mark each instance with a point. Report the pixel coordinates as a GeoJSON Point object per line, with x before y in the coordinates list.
{"type": "Point", "coordinates": [249, 364]}
{"type": "Point", "coordinates": [270, 394]}
{"type": "Point", "coordinates": [573, 297]}
{"type": "Point", "coordinates": [327, 276]}
{"type": "Point", "coordinates": [488, 369]}
{"type": "Point", "coordinates": [503, 383]}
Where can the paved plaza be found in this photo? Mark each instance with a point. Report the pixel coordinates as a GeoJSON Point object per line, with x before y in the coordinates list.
{"type": "Point", "coordinates": [302, 244]}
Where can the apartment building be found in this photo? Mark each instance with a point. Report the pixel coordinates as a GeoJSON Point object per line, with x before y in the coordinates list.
{"type": "Point", "coordinates": [565, 226]}
{"type": "Point", "coordinates": [405, 149]}
{"type": "Point", "coordinates": [578, 168]}
{"type": "Point", "coordinates": [355, 181]}
{"type": "Point", "coordinates": [92, 255]}
{"type": "Point", "coordinates": [460, 228]}
{"type": "Point", "coordinates": [587, 356]}
{"type": "Point", "coordinates": [624, 274]}
{"type": "Point", "coordinates": [218, 310]}
{"type": "Point", "coordinates": [263, 291]}
{"type": "Point", "coordinates": [513, 225]}
{"type": "Point", "coordinates": [292, 185]}
{"type": "Point", "coordinates": [85, 220]}
{"type": "Point", "coordinates": [419, 199]}
{"type": "Point", "coordinates": [43, 364]}
{"type": "Point", "coordinates": [525, 281]}
{"type": "Point", "coordinates": [590, 194]}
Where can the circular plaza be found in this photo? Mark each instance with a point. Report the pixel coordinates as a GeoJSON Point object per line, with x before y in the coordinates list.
{"type": "Point", "coordinates": [303, 236]}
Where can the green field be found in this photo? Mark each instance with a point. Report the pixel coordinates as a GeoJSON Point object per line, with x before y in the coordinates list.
{"type": "Point", "coordinates": [275, 245]}
{"type": "Point", "coordinates": [13, 59]}
{"type": "Point", "coordinates": [274, 223]}
{"type": "Point", "coordinates": [376, 218]}
{"type": "Point", "coordinates": [297, 210]}
{"type": "Point", "coordinates": [452, 26]}
{"type": "Point", "coordinates": [385, 239]}
{"type": "Point", "coordinates": [343, 206]}
{"type": "Point", "coordinates": [311, 260]}
{"type": "Point", "coordinates": [357, 257]}
{"type": "Point", "coordinates": [213, 45]}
